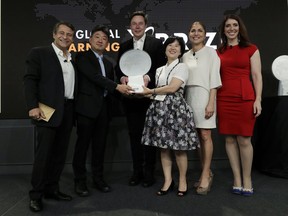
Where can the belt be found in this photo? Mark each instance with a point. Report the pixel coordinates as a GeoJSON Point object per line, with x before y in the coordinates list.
{"type": "Point", "coordinates": [67, 100]}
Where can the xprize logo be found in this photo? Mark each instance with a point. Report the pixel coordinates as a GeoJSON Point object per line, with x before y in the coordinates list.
{"type": "Point", "coordinates": [114, 34]}
{"type": "Point", "coordinates": [164, 36]}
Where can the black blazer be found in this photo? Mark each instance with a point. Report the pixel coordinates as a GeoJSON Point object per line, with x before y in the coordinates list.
{"type": "Point", "coordinates": [43, 82]}
{"type": "Point", "coordinates": [154, 47]}
{"type": "Point", "coordinates": [92, 84]}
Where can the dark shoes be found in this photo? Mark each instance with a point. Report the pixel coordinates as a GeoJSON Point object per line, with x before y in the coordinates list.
{"type": "Point", "coordinates": [59, 196]}
{"type": "Point", "coordinates": [81, 189]}
{"type": "Point", "coordinates": [148, 181]}
{"type": "Point", "coordinates": [135, 180]}
{"type": "Point", "coordinates": [35, 205]}
{"type": "Point", "coordinates": [162, 192]}
{"type": "Point", "coordinates": [181, 193]}
{"type": "Point", "coordinates": [101, 185]}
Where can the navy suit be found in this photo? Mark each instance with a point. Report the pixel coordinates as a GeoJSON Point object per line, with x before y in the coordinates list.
{"type": "Point", "coordinates": [43, 82]}
{"type": "Point", "coordinates": [93, 108]}
{"type": "Point", "coordinates": [136, 107]}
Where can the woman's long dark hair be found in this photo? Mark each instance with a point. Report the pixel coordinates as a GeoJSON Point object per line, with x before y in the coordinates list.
{"type": "Point", "coordinates": [242, 36]}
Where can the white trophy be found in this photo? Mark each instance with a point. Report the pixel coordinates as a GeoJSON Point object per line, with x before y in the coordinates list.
{"type": "Point", "coordinates": [135, 63]}
{"type": "Point", "coordinates": [280, 71]}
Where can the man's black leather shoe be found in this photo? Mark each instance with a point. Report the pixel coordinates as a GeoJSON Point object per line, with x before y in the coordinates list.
{"type": "Point", "coordinates": [148, 182]}
{"type": "Point", "coordinates": [35, 205]}
{"type": "Point", "coordinates": [102, 185]}
{"type": "Point", "coordinates": [135, 180]}
{"type": "Point", "coordinates": [81, 189]}
{"type": "Point", "coordinates": [57, 195]}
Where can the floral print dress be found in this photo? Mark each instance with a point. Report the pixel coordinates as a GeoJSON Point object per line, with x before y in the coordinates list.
{"type": "Point", "coordinates": [169, 123]}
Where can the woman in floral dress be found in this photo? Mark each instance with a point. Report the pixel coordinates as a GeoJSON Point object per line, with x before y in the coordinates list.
{"type": "Point", "coordinates": [169, 120]}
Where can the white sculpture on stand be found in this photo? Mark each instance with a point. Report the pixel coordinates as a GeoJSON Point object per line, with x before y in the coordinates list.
{"type": "Point", "coordinates": [135, 64]}
{"type": "Point", "coordinates": [280, 71]}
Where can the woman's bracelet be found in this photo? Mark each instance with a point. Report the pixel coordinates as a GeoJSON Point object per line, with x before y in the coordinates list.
{"type": "Point", "coordinates": [154, 92]}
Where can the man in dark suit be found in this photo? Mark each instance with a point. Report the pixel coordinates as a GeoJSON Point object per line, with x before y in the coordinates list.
{"type": "Point", "coordinates": [50, 79]}
{"type": "Point", "coordinates": [144, 157]}
{"type": "Point", "coordinates": [96, 84]}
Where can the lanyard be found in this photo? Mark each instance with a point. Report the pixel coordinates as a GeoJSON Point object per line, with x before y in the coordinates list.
{"type": "Point", "coordinates": [157, 80]}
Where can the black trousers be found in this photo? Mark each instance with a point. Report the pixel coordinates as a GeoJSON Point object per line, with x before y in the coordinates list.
{"type": "Point", "coordinates": [144, 157]}
{"type": "Point", "coordinates": [92, 131]}
{"type": "Point", "coordinates": [50, 155]}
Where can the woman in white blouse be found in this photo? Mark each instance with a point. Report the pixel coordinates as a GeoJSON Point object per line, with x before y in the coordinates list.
{"type": "Point", "coordinates": [200, 94]}
{"type": "Point", "coordinates": [169, 121]}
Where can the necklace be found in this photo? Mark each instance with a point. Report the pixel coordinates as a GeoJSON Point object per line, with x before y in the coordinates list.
{"type": "Point", "coordinates": [196, 49]}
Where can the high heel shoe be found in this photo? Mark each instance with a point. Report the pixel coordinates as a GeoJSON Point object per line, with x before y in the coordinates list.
{"type": "Point", "coordinates": [247, 191]}
{"type": "Point", "coordinates": [237, 190]}
{"type": "Point", "coordinates": [182, 193]}
{"type": "Point", "coordinates": [164, 192]}
{"type": "Point", "coordinates": [204, 190]}
{"type": "Point", "coordinates": [197, 183]}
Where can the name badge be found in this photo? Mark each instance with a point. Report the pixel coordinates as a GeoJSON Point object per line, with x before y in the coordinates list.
{"type": "Point", "coordinates": [158, 97]}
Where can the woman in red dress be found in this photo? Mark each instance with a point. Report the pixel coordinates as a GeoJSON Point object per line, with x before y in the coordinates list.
{"type": "Point", "coordinates": [239, 99]}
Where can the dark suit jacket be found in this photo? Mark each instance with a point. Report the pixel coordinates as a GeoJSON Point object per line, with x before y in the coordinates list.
{"type": "Point", "coordinates": [91, 83]}
{"type": "Point", "coordinates": [154, 47]}
{"type": "Point", "coordinates": [43, 82]}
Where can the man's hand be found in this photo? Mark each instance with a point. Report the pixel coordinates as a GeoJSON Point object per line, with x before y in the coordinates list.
{"type": "Point", "coordinates": [146, 79]}
{"type": "Point", "coordinates": [124, 80]}
{"type": "Point", "coordinates": [124, 89]}
{"type": "Point", "coordinates": [36, 114]}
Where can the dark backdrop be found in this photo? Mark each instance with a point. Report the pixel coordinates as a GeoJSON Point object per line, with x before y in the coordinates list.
{"type": "Point", "coordinates": [26, 24]}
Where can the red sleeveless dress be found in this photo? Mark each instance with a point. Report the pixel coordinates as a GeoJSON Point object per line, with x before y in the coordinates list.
{"type": "Point", "coordinates": [236, 97]}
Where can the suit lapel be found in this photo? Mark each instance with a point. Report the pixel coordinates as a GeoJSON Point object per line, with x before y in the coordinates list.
{"type": "Point", "coordinates": [96, 62]}
{"type": "Point", "coordinates": [147, 43]}
{"type": "Point", "coordinates": [108, 69]}
{"type": "Point", "coordinates": [55, 59]}
{"type": "Point", "coordinates": [130, 45]}
{"type": "Point", "coordinates": [93, 57]}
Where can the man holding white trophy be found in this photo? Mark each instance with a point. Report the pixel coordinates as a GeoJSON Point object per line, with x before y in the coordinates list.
{"type": "Point", "coordinates": [138, 59]}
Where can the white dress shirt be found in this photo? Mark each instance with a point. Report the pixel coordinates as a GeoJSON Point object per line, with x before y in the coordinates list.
{"type": "Point", "coordinates": [67, 70]}
{"type": "Point", "coordinates": [139, 44]}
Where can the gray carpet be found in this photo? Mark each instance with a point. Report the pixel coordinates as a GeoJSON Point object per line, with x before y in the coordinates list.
{"type": "Point", "coordinates": [270, 198]}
